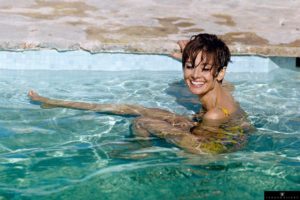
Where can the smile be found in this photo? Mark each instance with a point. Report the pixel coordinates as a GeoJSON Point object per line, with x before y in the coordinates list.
{"type": "Point", "coordinates": [197, 83]}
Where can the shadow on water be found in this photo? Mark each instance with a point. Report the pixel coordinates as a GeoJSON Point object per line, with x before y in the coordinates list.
{"type": "Point", "coordinates": [183, 96]}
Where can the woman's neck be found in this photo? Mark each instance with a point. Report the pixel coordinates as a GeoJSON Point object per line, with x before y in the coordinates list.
{"type": "Point", "coordinates": [210, 100]}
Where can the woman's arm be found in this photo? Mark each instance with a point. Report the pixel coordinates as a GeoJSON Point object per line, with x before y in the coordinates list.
{"type": "Point", "coordinates": [181, 44]}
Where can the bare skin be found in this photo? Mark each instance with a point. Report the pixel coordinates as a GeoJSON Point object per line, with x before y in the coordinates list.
{"type": "Point", "coordinates": [174, 128]}
{"type": "Point", "coordinates": [161, 123]}
{"type": "Point", "coordinates": [178, 56]}
{"type": "Point", "coordinates": [181, 44]}
{"type": "Point", "coordinates": [217, 102]}
{"type": "Point", "coordinates": [202, 136]}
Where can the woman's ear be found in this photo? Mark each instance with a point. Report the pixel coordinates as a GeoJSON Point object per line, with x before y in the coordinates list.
{"type": "Point", "coordinates": [221, 74]}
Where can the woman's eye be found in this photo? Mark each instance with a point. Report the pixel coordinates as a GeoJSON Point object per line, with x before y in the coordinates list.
{"type": "Point", "coordinates": [206, 68]}
{"type": "Point", "coordinates": [189, 66]}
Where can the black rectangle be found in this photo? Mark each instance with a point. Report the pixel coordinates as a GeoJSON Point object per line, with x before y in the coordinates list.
{"type": "Point", "coordinates": [298, 62]}
{"type": "Point", "coordinates": [282, 195]}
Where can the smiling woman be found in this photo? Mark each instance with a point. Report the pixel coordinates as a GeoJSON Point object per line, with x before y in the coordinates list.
{"type": "Point", "coordinates": [204, 62]}
{"type": "Point", "coordinates": [205, 58]}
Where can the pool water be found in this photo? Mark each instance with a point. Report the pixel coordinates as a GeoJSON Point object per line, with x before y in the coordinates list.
{"type": "Point", "coordinates": [72, 154]}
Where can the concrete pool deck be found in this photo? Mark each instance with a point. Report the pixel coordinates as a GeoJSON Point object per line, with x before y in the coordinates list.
{"type": "Point", "coordinates": [269, 28]}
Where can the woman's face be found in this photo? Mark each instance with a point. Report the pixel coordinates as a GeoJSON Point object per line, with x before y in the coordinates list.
{"type": "Point", "coordinates": [200, 78]}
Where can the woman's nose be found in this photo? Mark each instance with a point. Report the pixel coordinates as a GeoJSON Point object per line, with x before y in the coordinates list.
{"type": "Point", "coordinates": [197, 72]}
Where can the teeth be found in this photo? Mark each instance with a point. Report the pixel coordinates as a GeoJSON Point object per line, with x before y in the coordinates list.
{"type": "Point", "coordinates": [197, 83]}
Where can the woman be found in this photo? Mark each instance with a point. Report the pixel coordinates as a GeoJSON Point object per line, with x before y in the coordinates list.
{"type": "Point", "coordinates": [218, 128]}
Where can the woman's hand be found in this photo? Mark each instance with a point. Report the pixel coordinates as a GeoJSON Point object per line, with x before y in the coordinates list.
{"type": "Point", "coordinates": [181, 44]}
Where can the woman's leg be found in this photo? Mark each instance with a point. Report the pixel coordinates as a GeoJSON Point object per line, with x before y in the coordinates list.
{"type": "Point", "coordinates": [118, 109]}
{"type": "Point", "coordinates": [181, 137]}
{"type": "Point", "coordinates": [138, 128]}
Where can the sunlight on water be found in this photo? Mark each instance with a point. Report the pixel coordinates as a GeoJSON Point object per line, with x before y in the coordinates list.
{"type": "Point", "coordinates": [70, 154]}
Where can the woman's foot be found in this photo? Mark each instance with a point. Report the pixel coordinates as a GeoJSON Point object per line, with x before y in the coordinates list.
{"type": "Point", "coordinates": [34, 96]}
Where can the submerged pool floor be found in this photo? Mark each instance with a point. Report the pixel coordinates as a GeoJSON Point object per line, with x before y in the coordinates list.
{"type": "Point", "coordinates": [70, 154]}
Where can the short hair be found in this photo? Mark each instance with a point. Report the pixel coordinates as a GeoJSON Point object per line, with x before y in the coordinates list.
{"type": "Point", "coordinates": [211, 45]}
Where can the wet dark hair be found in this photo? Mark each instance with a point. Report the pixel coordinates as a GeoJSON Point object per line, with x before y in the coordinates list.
{"type": "Point", "coordinates": [211, 45]}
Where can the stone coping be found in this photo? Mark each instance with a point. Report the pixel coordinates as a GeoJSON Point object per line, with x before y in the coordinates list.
{"type": "Point", "coordinates": [256, 27]}
{"type": "Point", "coordinates": [166, 49]}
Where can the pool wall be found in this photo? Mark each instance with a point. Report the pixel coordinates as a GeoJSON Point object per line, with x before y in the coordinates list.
{"type": "Point", "coordinates": [82, 60]}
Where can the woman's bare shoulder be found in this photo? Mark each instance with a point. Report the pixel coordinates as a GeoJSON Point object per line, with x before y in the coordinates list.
{"type": "Point", "coordinates": [214, 114]}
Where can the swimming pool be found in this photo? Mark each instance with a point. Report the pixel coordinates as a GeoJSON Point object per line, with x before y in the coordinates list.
{"type": "Point", "coordinates": [70, 154]}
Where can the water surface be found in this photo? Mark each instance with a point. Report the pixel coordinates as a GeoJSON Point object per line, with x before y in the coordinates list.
{"type": "Point", "coordinates": [71, 154]}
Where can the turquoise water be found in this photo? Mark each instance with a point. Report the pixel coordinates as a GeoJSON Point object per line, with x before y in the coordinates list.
{"type": "Point", "coordinates": [70, 154]}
